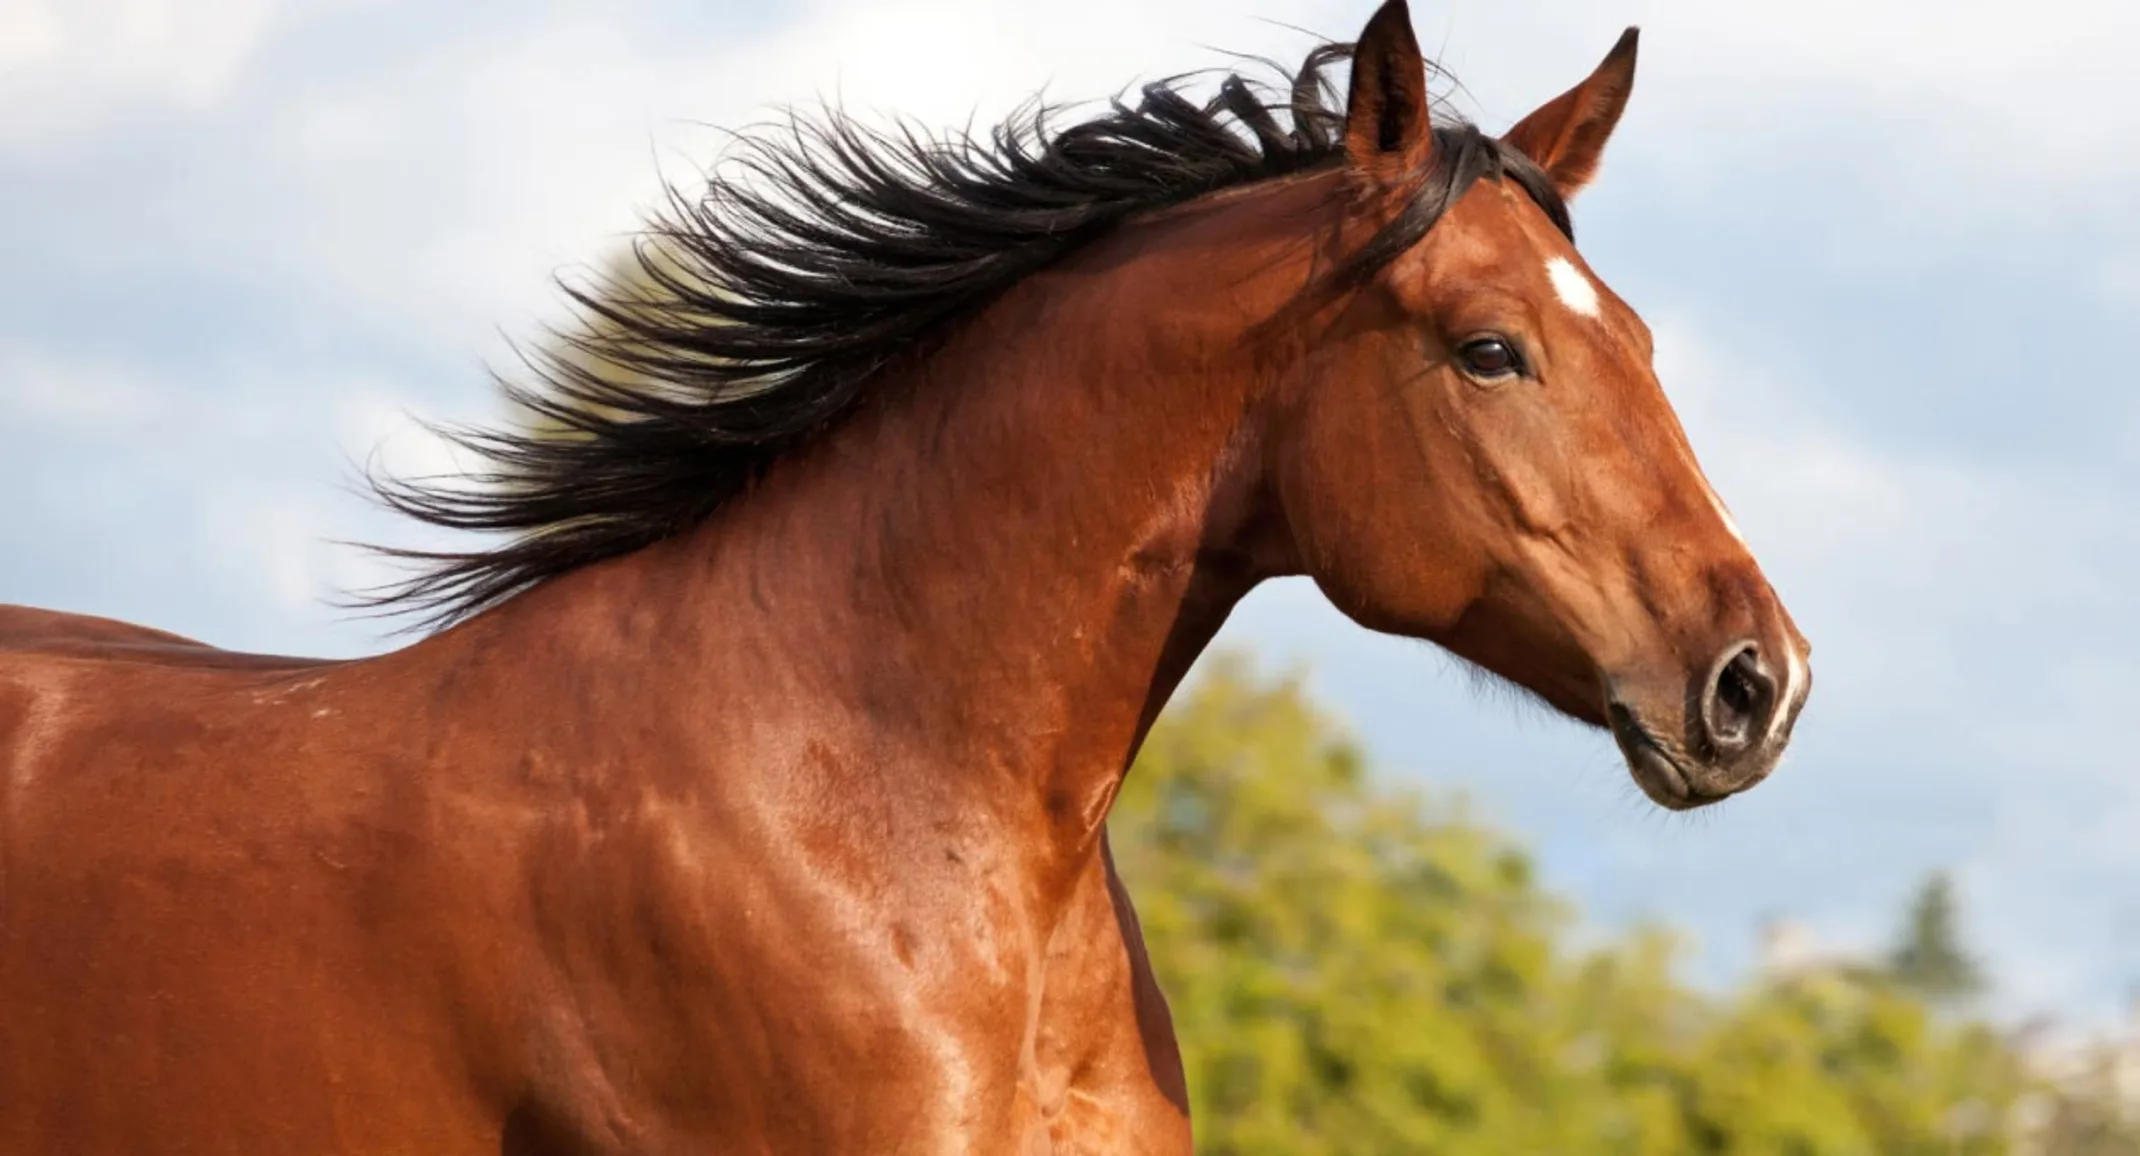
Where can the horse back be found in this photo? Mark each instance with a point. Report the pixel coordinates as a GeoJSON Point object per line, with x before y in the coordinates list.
{"type": "Point", "coordinates": [28, 630]}
{"type": "Point", "coordinates": [225, 861]}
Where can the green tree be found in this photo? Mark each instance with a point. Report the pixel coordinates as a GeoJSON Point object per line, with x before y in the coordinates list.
{"type": "Point", "coordinates": [1360, 969]}
{"type": "Point", "coordinates": [1928, 958]}
{"type": "Point", "coordinates": [1849, 1063]}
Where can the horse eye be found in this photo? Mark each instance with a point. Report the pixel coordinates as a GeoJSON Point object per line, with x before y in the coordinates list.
{"type": "Point", "coordinates": [1489, 357]}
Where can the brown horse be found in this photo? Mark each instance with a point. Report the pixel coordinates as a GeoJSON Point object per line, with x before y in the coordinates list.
{"type": "Point", "coordinates": [751, 798]}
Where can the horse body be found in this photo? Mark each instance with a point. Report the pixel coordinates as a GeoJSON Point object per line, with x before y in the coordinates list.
{"type": "Point", "coordinates": [783, 830]}
{"type": "Point", "coordinates": [576, 926]}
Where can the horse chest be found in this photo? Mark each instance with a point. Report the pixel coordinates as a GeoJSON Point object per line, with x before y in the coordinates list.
{"type": "Point", "coordinates": [1100, 1064]}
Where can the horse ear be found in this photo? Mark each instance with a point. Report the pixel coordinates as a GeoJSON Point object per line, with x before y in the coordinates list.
{"type": "Point", "coordinates": [1567, 135]}
{"type": "Point", "coordinates": [1388, 134]}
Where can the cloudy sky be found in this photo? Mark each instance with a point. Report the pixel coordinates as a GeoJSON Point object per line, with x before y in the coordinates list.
{"type": "Point", "coordinates": [1887, 247]}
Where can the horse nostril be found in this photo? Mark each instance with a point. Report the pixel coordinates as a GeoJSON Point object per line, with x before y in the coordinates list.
{"type": "Point", "coordinates": [1737, 702]}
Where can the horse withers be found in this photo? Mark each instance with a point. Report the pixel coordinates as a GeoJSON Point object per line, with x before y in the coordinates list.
{"type": "Point", "coordinates": [749, 796]}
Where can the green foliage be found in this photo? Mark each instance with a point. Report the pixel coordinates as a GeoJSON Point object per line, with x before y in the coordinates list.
{"type": "Point", "coordinates": [1357, 969]}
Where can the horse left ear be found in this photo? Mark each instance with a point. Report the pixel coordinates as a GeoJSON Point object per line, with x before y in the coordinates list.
{"type": "Point", "coordinates": [1567, 135]}
{"type": "Point", "coordinates": [1389, 133]}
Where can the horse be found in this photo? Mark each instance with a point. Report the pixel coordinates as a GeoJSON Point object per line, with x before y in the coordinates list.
{"type": "Point", "coordinates": [746, 789]}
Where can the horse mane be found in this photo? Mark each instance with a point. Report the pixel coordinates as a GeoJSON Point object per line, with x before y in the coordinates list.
{"type": "Point", "coordinates": [754, 317]}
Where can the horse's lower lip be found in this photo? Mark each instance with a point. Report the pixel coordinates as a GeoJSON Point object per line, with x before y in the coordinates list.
{"type": "Point", "coordinates": [1656, 772]}
{"type": "Point", "coordinates": [1668, 784]}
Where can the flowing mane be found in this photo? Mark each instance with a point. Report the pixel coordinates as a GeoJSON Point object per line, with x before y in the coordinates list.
{"type": "Point", "coordinates": [759, 312]}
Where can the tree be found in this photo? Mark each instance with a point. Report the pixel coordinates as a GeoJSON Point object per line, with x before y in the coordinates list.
{"type": "Point", "coordinates": [1360, 969]}
{"type": "Point", "coordinates": [1351, 971]}
{"type": "Point", "coordinates": [1928, 958]}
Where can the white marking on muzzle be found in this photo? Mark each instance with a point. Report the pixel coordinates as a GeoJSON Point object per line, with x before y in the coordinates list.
{"type": "Point", "coordinates": [1794, 673]}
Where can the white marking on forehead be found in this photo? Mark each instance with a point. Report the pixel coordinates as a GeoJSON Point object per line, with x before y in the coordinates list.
{"type": "Point", "coordinates": [1576, 291]}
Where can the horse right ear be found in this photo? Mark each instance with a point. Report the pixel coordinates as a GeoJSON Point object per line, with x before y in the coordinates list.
{"type": "Point", "coordinates": [1567, 136]}
{"type": "Point", "coordinates": [1389, 136]}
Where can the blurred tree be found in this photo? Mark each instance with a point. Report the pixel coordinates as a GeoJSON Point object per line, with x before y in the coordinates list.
{"type": "Point", "coordinates": [1846, 1063]}
{"type": "Point", "coordinates": [2084, 1122]}
{"type": "Point", "coordinates": [1928, 958]}
{"type": "Point", "coordinates": [1359, 969]}
{"type": "Point", "coordinates": [2089, 1102]}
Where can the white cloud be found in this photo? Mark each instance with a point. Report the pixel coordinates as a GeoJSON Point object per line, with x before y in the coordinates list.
{"type": "Point", "coordinates": [66, 66]}
{"type": "Point", "coordinates": [377, 429]}
{"type": "Point", "coordinates": [1787, 475]}
{"type": "Point", "coordinates": [269, 543]}
{"type": "Point", "coordinates": [441, 196]}
{"type": "Point", "coordinates": [76, 392]}
{"type": "Point", "coordinates": [1993, 89]}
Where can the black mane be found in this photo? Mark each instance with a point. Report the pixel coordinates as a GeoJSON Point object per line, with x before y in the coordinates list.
{"type": "Point", "coordinates": [754, 316]}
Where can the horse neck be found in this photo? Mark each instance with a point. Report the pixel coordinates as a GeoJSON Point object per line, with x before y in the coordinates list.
{"type": "Point", "coordinates": [1011, 553]}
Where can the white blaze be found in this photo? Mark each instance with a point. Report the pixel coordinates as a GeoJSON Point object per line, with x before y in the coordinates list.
{"type": "Point", "coordinates": [1730, 523]}
{"type": "Point", "coordinates": [1576, 291]}
{"type": "Point", "coordinates": [1794, 672]}
{"type": "Point", "coordinates": [1580, 294]}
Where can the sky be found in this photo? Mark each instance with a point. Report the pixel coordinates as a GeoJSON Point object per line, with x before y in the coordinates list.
{"type": "Point", "coordinates": [1886, 248]}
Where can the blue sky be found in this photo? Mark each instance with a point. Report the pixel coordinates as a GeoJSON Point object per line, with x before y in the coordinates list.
{"type": "Point", "coordinates": [1886, 246]}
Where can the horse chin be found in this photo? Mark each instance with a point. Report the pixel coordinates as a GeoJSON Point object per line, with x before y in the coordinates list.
{"type": "Point", "coordinates": [1662, 774]}
{"type": "Point", "coordinates": [1664, 783]}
